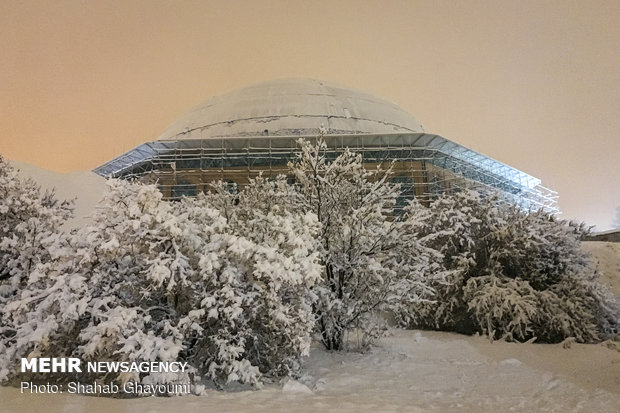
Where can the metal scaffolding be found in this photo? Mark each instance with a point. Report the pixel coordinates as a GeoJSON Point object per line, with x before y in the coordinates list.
{"type": "Point", "coordinates": [425, 165]}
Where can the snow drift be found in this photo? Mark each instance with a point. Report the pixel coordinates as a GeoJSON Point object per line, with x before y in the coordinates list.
{"type": "Point", "coordinates": [85, 187]}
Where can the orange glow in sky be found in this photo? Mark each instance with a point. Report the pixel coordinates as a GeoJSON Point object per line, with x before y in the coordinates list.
{"type": "Point", "coordinates": [534, 84]}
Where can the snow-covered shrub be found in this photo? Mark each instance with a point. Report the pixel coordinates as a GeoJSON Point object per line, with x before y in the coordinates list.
{"type": "Point", "coordinates": [511, 274]}
{"type": "Point", "coordinates": [501, 303]}
{"type": "Point", "coordinates": [255, 312]}
{"type": "Point", "coordinates": [152, 280]}
{"type": "Point", "coordinates": [30, 221]}
{"type": "Point", "coordinates": [113, 290]}
{"type": "Point", "coordinates": [368, 256]}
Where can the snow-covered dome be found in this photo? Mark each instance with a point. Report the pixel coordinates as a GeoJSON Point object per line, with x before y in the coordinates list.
{"type": "Point", "coordinates": [291, 107]}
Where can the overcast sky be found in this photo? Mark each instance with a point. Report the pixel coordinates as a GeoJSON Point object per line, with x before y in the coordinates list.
{"type": "Point", "coordinates": [534, 84]}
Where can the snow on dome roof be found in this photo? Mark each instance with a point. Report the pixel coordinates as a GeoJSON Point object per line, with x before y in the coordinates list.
{"type": "Point", "coordinates": [291, 107]}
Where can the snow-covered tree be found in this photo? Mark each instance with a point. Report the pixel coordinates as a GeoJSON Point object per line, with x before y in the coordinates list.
{"type": "Point", "coordinates": [511, 274]}
{"type": "Point", "coordinates": [371, 264]}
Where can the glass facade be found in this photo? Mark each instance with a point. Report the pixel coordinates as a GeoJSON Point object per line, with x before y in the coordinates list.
{"type": "Point", "coordinates": [425, 165]}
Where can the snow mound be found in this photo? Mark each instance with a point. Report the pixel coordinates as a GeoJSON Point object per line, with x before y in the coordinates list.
{"type": "Point", "coordinates": [510, 362]}
{"type": "Point", "coordinates": [607, 257]}
{"type": "Point", "coordinates": [86, 187]}
{"type": "Point", "coordinates": [293, 386]}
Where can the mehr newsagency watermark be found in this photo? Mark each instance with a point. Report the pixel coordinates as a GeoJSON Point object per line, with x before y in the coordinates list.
{"type": "Point", "coordinates": [74, 365]}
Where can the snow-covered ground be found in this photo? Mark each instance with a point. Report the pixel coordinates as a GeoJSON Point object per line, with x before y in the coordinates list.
{"type": "Point", "coordinates": [413, 371]}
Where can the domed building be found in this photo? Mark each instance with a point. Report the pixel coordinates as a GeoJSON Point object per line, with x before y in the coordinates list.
{"type": "Point", "coordinates": [255, 129]}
